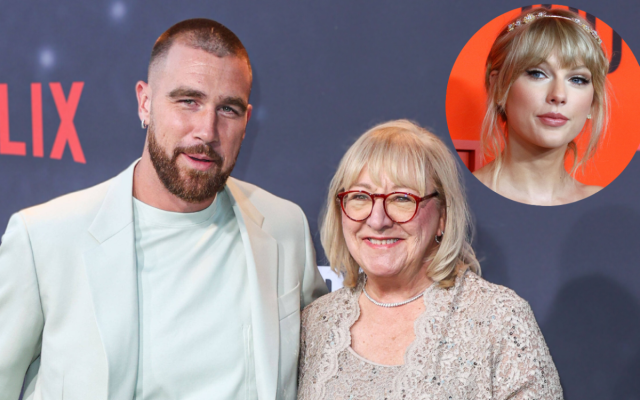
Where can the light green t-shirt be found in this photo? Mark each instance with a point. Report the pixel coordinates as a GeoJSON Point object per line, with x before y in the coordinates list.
{"type": "Point", "coordinates": [195, 317]}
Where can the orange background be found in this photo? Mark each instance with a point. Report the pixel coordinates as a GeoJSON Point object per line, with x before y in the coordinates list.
{"type": "Point", "coordinates": [466, 99]}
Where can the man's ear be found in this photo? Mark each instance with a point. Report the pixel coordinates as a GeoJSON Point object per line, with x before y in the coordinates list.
{"type": "Point", "coordinates": [248, 113]}
{"type": "Point", "coordinates": [143, 93]}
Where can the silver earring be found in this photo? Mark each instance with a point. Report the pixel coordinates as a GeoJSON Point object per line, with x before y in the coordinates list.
{"type": "Point", "coordinates": [588, 116]}
{"type": "Point", "coordinates": [144, 126]}
{"type": "Point", "coordinates": [439, 238]}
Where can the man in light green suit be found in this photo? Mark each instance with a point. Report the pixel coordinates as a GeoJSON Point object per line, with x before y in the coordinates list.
{"type": "Point", "coordinates": [171, 280]}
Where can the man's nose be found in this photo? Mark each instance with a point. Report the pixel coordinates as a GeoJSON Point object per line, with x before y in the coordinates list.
{"type": "Point", "coordinates": [205, 127]}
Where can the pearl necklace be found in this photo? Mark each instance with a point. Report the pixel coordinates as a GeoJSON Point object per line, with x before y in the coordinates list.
{"type": "Point", "coordinates": [387, 305]}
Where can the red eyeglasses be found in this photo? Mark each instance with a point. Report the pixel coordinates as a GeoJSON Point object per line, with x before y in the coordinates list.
{"type": "Point", "coordinates": [400, 207]}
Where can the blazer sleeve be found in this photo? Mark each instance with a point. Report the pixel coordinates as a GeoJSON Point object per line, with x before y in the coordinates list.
{"type": "Point", "coordinates": [524, 368]}
{"type": "Point", "coordinates": [21, 316]}
{"type": "Point", "coordinates": [313, 285]}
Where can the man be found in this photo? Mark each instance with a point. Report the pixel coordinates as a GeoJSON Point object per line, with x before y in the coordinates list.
{"type": "Point", "coordinates": [169, 281]}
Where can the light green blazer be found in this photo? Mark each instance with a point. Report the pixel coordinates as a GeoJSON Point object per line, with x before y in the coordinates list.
{"type": "Point", "coordinates": [69, 302]}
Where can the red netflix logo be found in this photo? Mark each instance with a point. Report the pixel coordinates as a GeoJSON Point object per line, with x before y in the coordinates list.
{"type": "Point", "coordinates": [67, 133]}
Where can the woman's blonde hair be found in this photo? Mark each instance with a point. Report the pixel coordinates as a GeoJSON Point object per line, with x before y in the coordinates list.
{"type": "Point", "coordinates": [529, 45]}
{"type": "Point", "coordinates": [412, 157]}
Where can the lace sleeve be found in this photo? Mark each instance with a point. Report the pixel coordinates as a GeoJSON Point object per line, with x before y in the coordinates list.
{"type": "Point", "coordinates": [302, 353]}
{"type": "Point", "coordinates": [523, 367]}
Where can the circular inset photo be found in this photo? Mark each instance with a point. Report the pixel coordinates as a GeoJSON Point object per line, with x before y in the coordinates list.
{"type": "Point", "coordinates": [542, 105]}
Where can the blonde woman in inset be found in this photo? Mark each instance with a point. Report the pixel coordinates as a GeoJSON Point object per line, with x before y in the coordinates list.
{"type": "Point", "coordinates": [414, 319]}
{"type": "Point", "coordinates": [546, 79]}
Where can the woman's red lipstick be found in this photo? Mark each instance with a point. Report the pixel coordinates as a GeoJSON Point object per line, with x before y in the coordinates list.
{"type": "Point", "coordinates": [553, 119]}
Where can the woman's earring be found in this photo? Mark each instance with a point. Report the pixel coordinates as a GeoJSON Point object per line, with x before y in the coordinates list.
{"type": "Point", "coordinates": [588, 116]}
{"type": "Point", "coordinates": [439, 238]}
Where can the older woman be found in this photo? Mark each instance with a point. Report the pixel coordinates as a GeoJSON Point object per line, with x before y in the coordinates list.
{"type": "Point", "coordinates": [414, 320]}
{"type": "Point", "coordinates": [546, 78]}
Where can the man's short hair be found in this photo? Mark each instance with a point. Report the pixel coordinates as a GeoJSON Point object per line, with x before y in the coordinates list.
{"type": "Point", "coordinates": [199, 33]}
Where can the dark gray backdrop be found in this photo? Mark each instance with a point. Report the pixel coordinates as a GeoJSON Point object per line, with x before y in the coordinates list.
{"type": "Point", "coordinates": [325, 71]}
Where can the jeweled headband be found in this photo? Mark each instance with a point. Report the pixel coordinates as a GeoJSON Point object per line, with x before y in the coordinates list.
{"type": "Point", "coordinates": [542, 14]}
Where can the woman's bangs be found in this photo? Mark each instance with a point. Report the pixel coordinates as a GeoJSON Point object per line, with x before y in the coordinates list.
{"type": "Point", "coordinates": [392, 154]}
{"type": "Point", "coordinates": [397, 157]}
{"type": "Point", "coordinates": [563, 39]}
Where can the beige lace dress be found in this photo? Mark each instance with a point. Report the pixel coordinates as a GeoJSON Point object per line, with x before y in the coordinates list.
{"type": "Point", "coordinates": [475, 340]}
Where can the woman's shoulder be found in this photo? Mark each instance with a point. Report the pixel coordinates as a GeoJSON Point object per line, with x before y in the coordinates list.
{"type": "Point", "coordinates": [481, 295]}
{"type": "Point", "coordinates": [588, 190]}
{"type": "Point", "coordinates": [485, 174]}
{"type": "Point", "coordinates": [522, 359]}
{"type": "Point", "coordinates": [577, 191]}
{"type": "Point", "coordinates": [329, 303]}
{"type": "Point", "coordinates": [333, 312]}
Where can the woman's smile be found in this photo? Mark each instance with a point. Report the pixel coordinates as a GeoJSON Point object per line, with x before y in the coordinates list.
{"type": "Point", "coordinates": [382, 243]}
{"type": "Point", "coordinates": [553, 119]}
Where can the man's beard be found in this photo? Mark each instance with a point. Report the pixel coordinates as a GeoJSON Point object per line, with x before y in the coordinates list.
{"type": "Point", "coordinates": [190, 185]}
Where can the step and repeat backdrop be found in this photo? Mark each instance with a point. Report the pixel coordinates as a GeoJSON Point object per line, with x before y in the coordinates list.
{"type": "Point", "coordinates": [324, 72]}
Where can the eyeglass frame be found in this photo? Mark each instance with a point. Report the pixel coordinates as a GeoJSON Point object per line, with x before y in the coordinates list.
{"type": "Point", "coordinates": [373, 196]}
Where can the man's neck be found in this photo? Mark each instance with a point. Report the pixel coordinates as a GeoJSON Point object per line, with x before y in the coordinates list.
{"type": "Point", "coordinates": [149, 189]}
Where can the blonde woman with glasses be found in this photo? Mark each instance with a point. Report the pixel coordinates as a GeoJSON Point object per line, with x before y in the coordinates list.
{"type": "Point", "coordinates": [414, 319]}
{"type": "Point", "coordinates": [546, 79]}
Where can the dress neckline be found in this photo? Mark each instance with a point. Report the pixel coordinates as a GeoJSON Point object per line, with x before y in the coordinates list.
{"type": "Point", "coordinates": [361, 358]}
{"type": "Point", "coordinates": [357, 292]}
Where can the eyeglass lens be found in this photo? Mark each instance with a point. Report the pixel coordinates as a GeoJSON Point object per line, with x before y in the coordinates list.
{"type": "Point", "coordinates": [400, 207]}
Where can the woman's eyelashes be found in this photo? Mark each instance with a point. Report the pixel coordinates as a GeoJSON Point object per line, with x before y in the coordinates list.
{"type": "Point", "coordinates": [536, 73]}
{"type": "Point", "coordinates": [579, 80]}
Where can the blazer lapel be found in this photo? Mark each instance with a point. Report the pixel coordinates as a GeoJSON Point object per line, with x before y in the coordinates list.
{"type": "Point", "coordinates": [262, 262]}
{"type": "Point", "coordinates": [111, 271]}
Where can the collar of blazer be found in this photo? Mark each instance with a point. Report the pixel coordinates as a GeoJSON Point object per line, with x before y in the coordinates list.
{"type": "Point", "coordinates": [116, 211]}
{"type": "Point", "coordinates": [113, 281]}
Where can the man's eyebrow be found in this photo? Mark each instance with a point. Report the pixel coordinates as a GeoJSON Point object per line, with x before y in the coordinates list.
{"type": "Point", "coordinates": [235, 101]}
{"type": "Point", "coordinates": [183, 91]}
